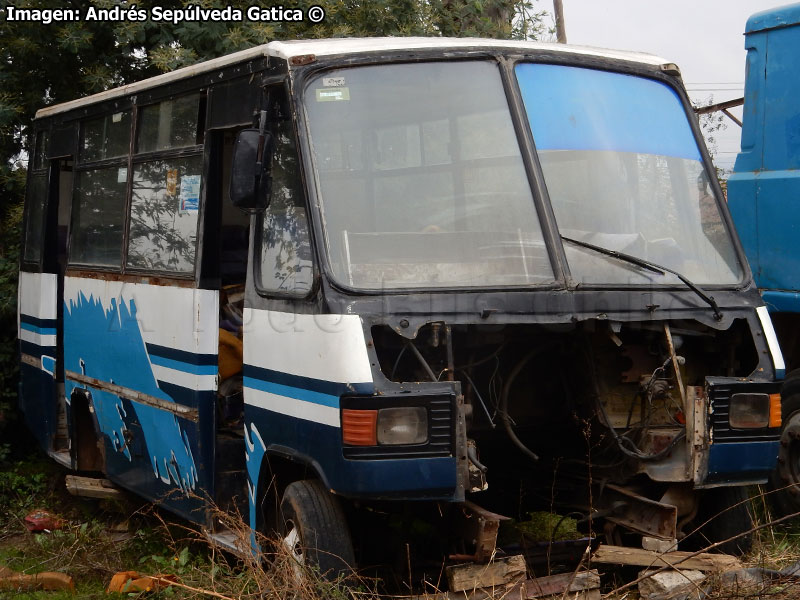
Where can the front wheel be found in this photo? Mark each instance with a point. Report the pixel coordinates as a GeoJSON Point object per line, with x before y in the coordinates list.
{"type": "Point", "coordinates": [314, 531]}
{"type": "Point", "coordinates": [726, 514]}
{"type": "Point", "coordinates": [785, 480]}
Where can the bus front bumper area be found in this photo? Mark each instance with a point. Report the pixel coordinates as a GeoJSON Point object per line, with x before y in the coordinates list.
{"type": "Point", "coordinates": [426, 471]}
{"type": "Point", "coordinates": [738, 463]}
{"type": "Point", "coordinates": [740, 452]}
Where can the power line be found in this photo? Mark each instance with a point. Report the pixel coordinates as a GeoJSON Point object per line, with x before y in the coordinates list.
{"type": "Point", "coordinates": [727, 89]}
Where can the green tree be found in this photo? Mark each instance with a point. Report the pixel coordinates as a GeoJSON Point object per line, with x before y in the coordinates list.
{"type": "Point", "coordinates": [711, 124]}
{"type": "Point", "coordinates": [48, 64]}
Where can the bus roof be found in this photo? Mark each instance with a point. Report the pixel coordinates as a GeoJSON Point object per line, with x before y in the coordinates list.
{"type": "Point", "coordinates": [783, 16]}
{"type": "Point", "coordinates": [328, 47]}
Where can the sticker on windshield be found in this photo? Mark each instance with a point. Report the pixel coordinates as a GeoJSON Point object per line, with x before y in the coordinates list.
{"type": "Point", "coordinates": [333, 94]}
{"type": "Point", "coordinates": [333, 81]}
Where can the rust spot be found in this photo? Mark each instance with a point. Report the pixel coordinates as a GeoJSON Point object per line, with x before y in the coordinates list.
{"type": "Point", "coordinates": [128, 278]}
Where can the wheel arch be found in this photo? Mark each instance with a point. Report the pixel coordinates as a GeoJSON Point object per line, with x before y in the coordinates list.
{"type": "Point", "coordinates": [281, 466]}
{"type": "Point", "coordinates": [88, 447]}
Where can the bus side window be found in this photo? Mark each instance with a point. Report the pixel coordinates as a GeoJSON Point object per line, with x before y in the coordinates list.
{"type": "Point", "coordinates": [98, 213]}
{"type": "Point", "coordinates": [36, 200]}
{"type": "Point", "coordinates": [285, 265]}
{"type": "Point", "coordinates": [167, 175]}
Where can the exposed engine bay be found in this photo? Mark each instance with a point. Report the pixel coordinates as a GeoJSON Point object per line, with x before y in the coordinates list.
{"type": "Point", "coordinates": [588, 418]}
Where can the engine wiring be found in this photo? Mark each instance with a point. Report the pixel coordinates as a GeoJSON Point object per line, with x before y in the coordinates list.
{"type": "Point", "coordinates": [627, 446]}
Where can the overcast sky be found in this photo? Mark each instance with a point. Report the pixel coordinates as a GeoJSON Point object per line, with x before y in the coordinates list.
{"type": "Point", "coordinates": [704, 37]}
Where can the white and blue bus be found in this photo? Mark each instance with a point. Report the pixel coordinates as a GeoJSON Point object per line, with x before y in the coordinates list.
{"type": "Point", "coordinates": [330, 282]}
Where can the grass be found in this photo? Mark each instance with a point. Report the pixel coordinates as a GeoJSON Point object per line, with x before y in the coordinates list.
{"type": "Point", "coordinates": [102, 538]}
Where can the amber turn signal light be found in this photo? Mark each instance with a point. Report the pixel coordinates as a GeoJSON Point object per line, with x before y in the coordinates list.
{"type": "Point", "coordinates": [775, 419]}
{"type": "Point", "coordinates": [359, 427]}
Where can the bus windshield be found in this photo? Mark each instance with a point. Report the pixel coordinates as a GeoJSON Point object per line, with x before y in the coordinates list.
{"type": "Point", "coordinates": [421, 179]}
{"type": "Point", "coordinates": [624, 172]}
{"type": "Point", "coordinates": [422, 183]}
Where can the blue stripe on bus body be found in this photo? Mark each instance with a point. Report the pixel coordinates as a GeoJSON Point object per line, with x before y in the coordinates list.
{"type": "Point", "coordinates": [37, 322]}
{"type": "Point", "coordinates": [292, 392]}
{"type": "Point", "coordinates": [184, 356]}
{"type": "Point", "coordinates": [318, 386]}
{"type": "Point", "coordinates": [188, 397]}
{"type": "Point", "coordinates": [186, 367]}
{"type": "Point", "coordinates": [37, 329]}
{"type": "Point", "coordinates": [432, 478]}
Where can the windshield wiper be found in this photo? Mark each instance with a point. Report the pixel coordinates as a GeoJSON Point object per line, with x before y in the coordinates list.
{"type": "Point", "coordinates": [650, 266]}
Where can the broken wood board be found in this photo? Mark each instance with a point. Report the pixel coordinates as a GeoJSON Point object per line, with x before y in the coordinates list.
{"type": "Point", "coordinates": [92, 487]}
{"type": "Point", "coordinates": [556, 585]}
{"type": "Point", "coordinates": [500, 571]}
{"type": "Point", "coordinates": [639, 557]}
{"type": "Point", "coordinates": [579, 586]}
{"type": "Point", "coordinates": [11, 580]}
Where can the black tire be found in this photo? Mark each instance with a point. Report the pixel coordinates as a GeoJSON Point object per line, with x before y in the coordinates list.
{"type": "Point", "coordinates": [321, 539]}
{"type": "Point", "coordinates": [724, 524]}
{"type": "Point", "coordinates": [791, 384]}
{"type": "Point", "coordinates": [784, 483]}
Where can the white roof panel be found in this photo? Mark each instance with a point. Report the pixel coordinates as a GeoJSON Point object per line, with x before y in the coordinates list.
{"type": "Point", "coordinates": [329, 47]}
{"type": "Point", "coordinates": [366, 45]}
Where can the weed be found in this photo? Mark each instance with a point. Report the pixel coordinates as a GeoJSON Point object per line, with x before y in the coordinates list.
{"type": "Point", "coordinates": [21, 489]}
{"type": "Point", "coordinates": [100, 540]}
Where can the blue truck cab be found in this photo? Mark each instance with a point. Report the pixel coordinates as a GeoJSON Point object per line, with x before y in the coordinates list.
{"type": "Point", "coordinates": [762, 191]}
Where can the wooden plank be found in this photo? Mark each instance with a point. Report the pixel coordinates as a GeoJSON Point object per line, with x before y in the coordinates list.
{"type": "Point", "coordinates": [18, 582]}
{"type": "Point", "coordinates": [557, 584]}
{"type": "Point", "coordinates": [499, 572]}
{"type": "Point", "coordinates": [92, 487]}
{"type": "Point", "coordinates": [581, 586]}
{"type": "Point", "coordinates": [640, 557]}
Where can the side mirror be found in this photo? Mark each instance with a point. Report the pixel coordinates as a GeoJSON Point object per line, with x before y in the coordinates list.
{"type": "Point", "coordinates": [250, 170]}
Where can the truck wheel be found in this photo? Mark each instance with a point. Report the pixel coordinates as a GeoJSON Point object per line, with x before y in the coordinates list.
{"type": "Point", "coordinates": [725, 524]}
{"type": "Point", "coordinates": [785, 479]}
{"type": "Point", "coordinates": [314, 530]}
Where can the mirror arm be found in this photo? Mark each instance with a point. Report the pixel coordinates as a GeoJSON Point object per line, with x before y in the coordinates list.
{"type": "Point", "coordinates": [262, 128]}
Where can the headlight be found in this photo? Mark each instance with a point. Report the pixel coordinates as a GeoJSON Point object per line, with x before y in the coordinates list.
{"type": "Point", "coordinates": [749, 411]}
{"type": "Point", "coordinates": [405, 425]}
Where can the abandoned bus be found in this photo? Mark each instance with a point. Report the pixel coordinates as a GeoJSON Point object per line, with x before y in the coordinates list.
{"type": "Point", "coordinates": [371, 283]}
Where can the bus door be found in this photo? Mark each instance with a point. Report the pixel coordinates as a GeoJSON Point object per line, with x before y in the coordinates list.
{"type": "Point", "coordinates": [38, 299]}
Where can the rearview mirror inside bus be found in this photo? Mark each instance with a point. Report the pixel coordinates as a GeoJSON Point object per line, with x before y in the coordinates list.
{"type": "Point", "coordinates": [250, 178]}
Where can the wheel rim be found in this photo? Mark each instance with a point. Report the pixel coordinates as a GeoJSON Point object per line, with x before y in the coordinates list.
{"type": "Point", "coordinates": [293, 546]}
